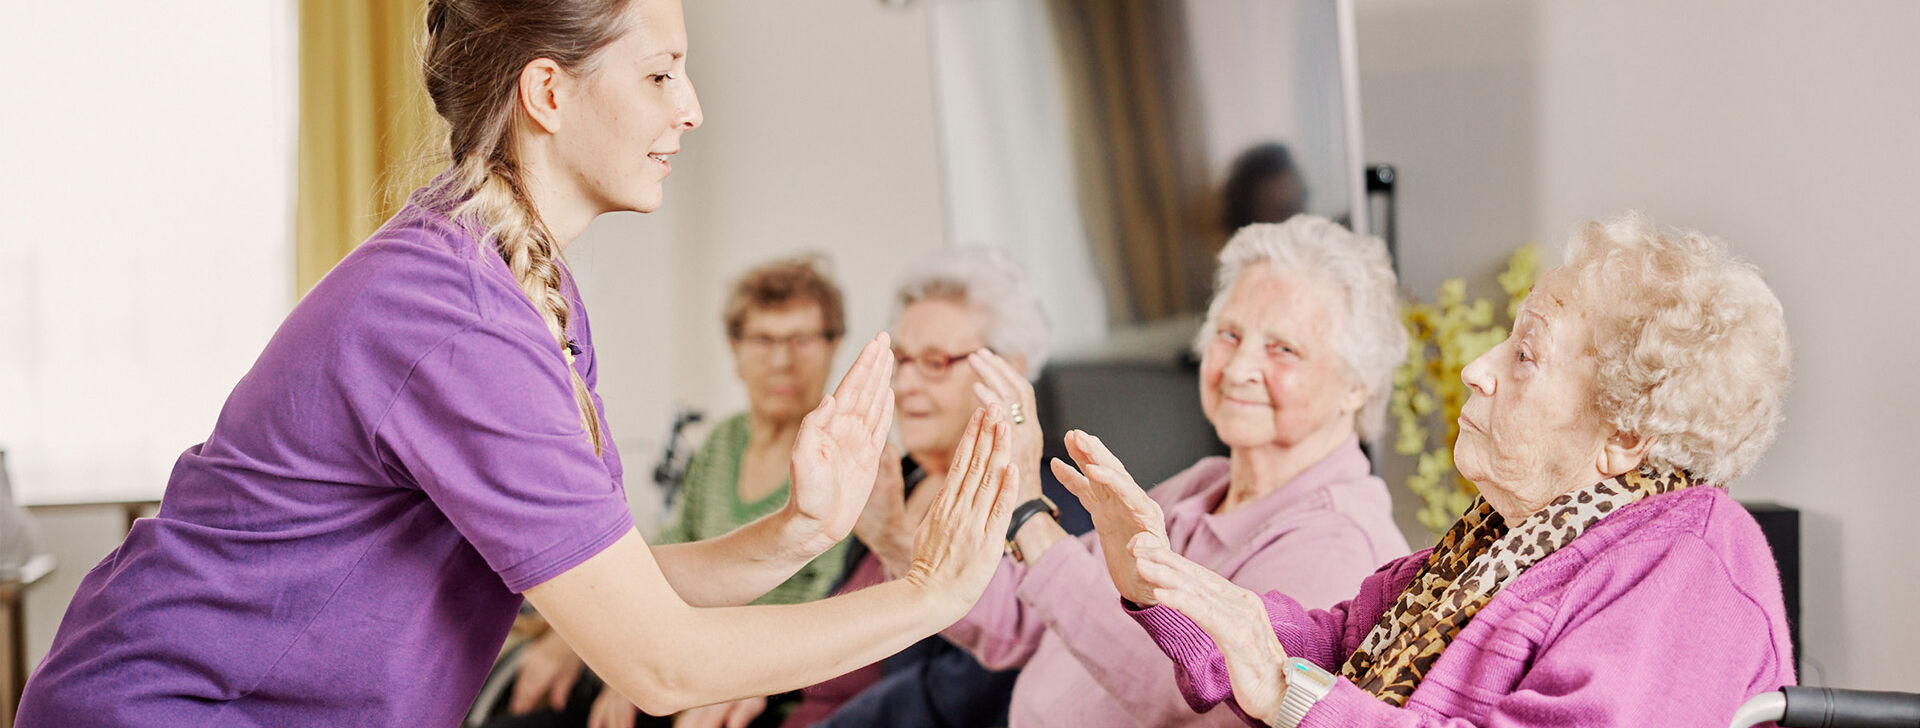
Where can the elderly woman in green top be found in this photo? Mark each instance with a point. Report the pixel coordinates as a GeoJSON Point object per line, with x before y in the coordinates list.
{"type": "Point", "coordinates": [784, 321]}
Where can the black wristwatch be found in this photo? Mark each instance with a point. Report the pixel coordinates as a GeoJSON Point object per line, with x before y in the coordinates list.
{"type": "Point", "coordinates": [1023, 512]}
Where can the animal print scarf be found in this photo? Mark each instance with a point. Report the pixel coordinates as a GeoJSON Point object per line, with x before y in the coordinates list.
{"type": "Point", "coordinates": [1478, 556]}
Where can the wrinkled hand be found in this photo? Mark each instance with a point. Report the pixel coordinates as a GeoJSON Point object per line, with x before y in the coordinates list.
{"type": "Point", "coordinates": [1003, 385]}
{"type": "Point", "coordinates": [612, 710]}
{"type": "Point", "coordinates": [547, 674]}
{"type": "Point", "coordinates": [960, 543]}
{"type": "Point", "coordinates": [1235, 617]}
{"type": "Point", "coordinates": [1121, 510]}
{"type": "Point", "coordinates": [883, 524]}
{"type": "Point", "coordinates": [838, 449]}
{"type": "Point", "coordinates": [736, 714]}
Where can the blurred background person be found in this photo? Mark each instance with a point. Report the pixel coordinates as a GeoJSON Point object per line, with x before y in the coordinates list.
{"type": "Point", "coordinates": [969, 331]}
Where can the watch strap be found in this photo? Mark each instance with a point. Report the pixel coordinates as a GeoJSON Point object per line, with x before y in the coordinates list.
{"type": "Point", "coordinates": [1023, 512]}
{"type": "Point", "coordinates": [1306, 685]}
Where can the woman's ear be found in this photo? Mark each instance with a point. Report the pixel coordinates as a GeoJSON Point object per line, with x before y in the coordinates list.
{"type": "Point", "coordinates": [541, 84]}
{"type": "Point", "coordinates": [1353, 399]}
{"type": "Point", "coordinates": [1622, 453]}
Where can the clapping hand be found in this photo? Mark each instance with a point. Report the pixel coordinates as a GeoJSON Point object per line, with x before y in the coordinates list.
{"type": "Point", "coordinates": [1235, 617]}
{"type": "Point", "coordinates": [960, 543]}
{"type": "Point", "coordinates": [838, 449]}
{"type": "Point", "coordinates": [1001, 384]}
{"type": "Point", "coordinates": [1121, 511]}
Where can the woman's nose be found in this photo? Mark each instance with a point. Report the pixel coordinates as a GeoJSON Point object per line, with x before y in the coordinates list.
{"type": "Point", "coordinates": [690, 114]}
{"type": "Point", "coordinates": [1478, 374]}
{"type": "Point", "coordinates": [1243, 363]}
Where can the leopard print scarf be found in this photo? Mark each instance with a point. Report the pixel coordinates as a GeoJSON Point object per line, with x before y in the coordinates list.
{"type": "Point", "coordinates": [1477, 557]}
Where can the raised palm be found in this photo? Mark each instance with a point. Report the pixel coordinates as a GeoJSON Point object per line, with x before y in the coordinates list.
{"type": "Point", "coordinates": [1121, 510]}
{"type": "Point", "coordinates": [838, 449]}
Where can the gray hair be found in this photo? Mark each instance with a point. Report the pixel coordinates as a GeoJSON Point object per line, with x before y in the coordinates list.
{"type": "Point", "coordinates": [1694, 350]}
{"type": "Point", "coordinates": [1367, 332]}
{"type": "Point", "coordinates": [987, 281]}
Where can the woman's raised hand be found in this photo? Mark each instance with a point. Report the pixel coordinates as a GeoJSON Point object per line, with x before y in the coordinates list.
{"type": "Point", "coordinates": [1235, 617]}
{"type": "Point", "coordinates": [960, 543]}
{"type": "Point", "coordinates": [838, 449]}
{"type": "Point", "coordinates": [1121, 510]}
{"type": "Point", "coordinates": [1003, 385]}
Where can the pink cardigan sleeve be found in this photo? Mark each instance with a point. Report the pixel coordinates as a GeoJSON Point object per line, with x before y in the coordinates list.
{"type": "Point", "coordinates": [1656, 633]}
{"type": "Point", "coordinates": [1324, 636]}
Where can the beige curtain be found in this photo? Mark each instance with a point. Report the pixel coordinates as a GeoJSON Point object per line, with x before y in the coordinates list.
{"type": "Point", "coordinates": [1139, 157]}
{"type": "Point", "coordinates": [366, 126]}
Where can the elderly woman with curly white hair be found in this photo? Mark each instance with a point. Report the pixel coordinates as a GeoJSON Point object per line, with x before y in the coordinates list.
{"type": "Point", "coordinates": [1603, 578]}
{"type": "Point", "coordinates": [1297, 356]}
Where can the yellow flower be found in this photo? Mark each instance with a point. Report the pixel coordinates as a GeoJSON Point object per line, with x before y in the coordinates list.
{"type": "Point", "coordinates": [1442, 337]}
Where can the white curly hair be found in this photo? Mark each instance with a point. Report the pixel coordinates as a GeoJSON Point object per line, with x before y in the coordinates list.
{"type": "Point", "coordinates": [1367, 332]}
{"type": "Point", "coordinates": [1691, 344]}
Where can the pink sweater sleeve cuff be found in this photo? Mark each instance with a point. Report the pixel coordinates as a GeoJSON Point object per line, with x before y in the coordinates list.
{"type": "Point", "coordinates": [1198, 667]}
{"type": "Point", "coordinates": [1346, 706]}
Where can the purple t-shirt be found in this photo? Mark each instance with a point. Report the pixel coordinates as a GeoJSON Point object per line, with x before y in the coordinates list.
{"type": "Point", "coordinates": [348, 545]}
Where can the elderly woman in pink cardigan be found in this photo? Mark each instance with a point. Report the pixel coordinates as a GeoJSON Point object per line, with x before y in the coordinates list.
{"type": "Point", "coordinates": [1603, 577]}
{"type": "Point", "coordinates": [1297, 359]}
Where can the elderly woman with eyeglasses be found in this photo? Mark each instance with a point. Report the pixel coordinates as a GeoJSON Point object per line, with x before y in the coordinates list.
{"type": "Point", "coordinates": [1297, 356]}
{"type": "Point", "coordinates": [968, 325]}
{"type": "Point", "coordinates": [1603, 578]}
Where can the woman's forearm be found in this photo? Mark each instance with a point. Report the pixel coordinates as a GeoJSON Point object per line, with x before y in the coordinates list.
{"type": "Point", "coordinates": [667, 656]}
{"type": "Point", "coordinates": [742, 565]}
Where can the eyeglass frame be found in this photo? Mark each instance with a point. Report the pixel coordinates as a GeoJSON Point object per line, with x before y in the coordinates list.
{"type": "Point", "coordinates": [933, 364]}
{"type": "Point", "coordinates": [790, 342]}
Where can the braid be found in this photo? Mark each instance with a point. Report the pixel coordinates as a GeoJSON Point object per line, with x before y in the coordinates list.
{"type": "Point", "coordinates": [471, 55]}
{"type": "Point", "coordinates": [500, 202]}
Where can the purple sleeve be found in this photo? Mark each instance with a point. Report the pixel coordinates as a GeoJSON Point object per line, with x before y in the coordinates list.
{"type": "Point", "coordinates": [487, 427]}
{"type": "Point", "coordinates": [1660, 634]}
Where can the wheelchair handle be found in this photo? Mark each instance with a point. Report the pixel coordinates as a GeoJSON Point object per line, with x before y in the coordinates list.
{"type": "Point", "coordinates": [1800, 707]}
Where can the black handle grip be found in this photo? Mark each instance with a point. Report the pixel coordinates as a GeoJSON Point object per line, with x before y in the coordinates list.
{"type": "Point", "coordinates": [1832, 708]}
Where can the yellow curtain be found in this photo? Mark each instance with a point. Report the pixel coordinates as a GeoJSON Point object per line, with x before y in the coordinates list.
{"type": "Point", "coordinates": [366, 125]}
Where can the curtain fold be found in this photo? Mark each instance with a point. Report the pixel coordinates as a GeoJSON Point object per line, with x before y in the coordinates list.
{"type": "Point", "coordinates": [1140, 158]}
{"type": "Point", "coordinates": [366, 126]}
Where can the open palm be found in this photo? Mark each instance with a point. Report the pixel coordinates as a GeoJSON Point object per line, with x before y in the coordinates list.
{"type": "Point", "coordinates": [838, 449]}
{"type": "Point", "coordinates": [1120, 509]}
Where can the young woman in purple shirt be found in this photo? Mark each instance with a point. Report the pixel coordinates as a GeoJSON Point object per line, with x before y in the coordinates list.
{"type": "Point", "coordinates": [420, 446]}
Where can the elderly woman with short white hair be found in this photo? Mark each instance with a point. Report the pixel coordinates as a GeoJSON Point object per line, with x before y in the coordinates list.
{"type": "Point", "coordinates": [1297, 358]}
{"type": "Point", "coordinates": [1603, 578]}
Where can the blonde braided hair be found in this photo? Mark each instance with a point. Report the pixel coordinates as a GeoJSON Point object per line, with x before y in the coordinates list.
{"type": "Point", "coordinates": [472, 55]}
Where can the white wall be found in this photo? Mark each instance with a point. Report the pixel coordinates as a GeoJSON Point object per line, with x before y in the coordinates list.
{"type": "Point", "coordinates": [146, 182]}
{"type": "Point", "coordinates": [1787, 128]}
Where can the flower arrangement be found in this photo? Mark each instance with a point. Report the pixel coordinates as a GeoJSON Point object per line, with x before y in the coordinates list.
{"type": "Point", "coordinates": [1442, 337]}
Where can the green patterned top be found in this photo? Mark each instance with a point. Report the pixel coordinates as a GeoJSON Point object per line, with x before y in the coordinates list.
{"type": "Point", "coordinates": [709, 505]}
